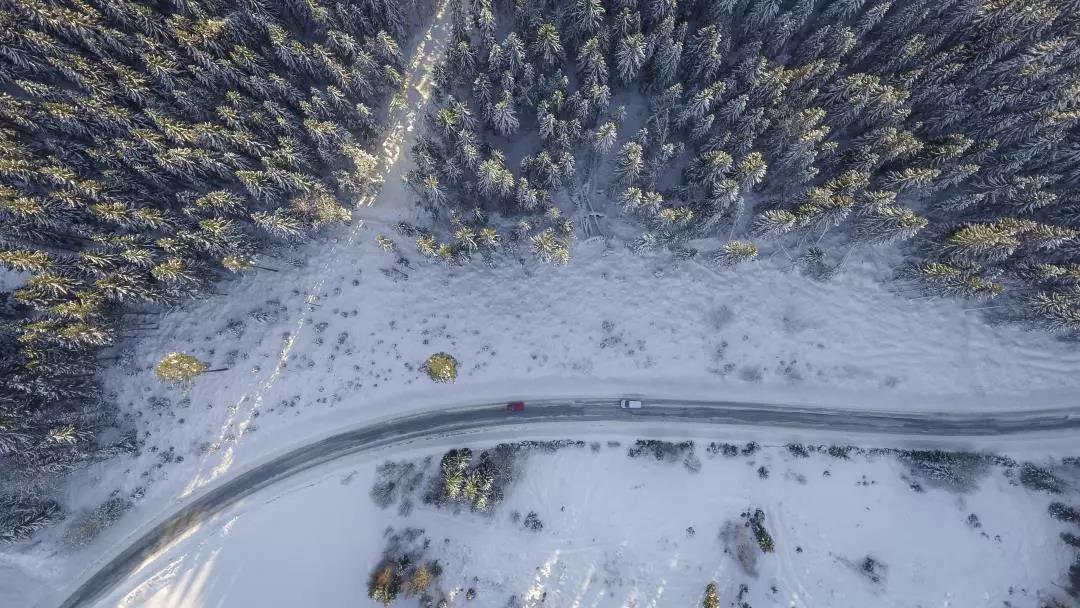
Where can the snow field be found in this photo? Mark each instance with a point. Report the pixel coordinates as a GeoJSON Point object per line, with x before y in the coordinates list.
{"type": "Point", "coordinates": [615, 534]}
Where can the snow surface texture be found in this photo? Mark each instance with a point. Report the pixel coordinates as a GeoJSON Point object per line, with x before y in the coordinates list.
{"type": "Point", "coordinates": [615, 533]}
{"type": "Point", "coordinates": [337, 337]}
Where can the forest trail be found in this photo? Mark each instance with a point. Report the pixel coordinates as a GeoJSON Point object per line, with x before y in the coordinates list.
{"type": "Point", "coordinates": [407, 108]}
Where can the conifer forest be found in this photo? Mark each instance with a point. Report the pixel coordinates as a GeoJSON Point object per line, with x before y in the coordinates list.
{"type": "Point", "coordinates": [150, 152]}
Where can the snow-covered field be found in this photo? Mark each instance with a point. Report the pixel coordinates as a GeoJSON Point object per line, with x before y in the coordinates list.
{"type": "Point", "coordinates": [621, 531]}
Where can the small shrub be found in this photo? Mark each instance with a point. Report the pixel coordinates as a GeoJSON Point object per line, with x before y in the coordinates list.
{"type": "Point", "coordinates": [179, 368]}
{"type": "Point", "coordinates": [757, 526]}
{"type": "Point", "coordinates": [798, 450]}
{"type": "Point", "coordinates": [726, 449]}
{"type": "Point", "coordinates": [1036, 478]}
{"type": "Point", "coordinates": [839, 451]}
{"type": "Point", "coordinates": [420, 580]}
{"type": "Point", "coordinates": [661, 450]}
{"type": "Point", "coordinates": [872, 569]}
{"type": "Point", "coordinates": [1071, 539]}
{"type": "Point", "coordinates": [385, 583]}
{"type": "Point", "coordinates": [957, 471]}
{"type": "Point", "coordinates": [532, 522]}
{"type": "Point", "coordinates": [712, 600]}
{"type": "Point", "coordinates": [87, 527]}
{"type": "Point", "coordinates": [441, 367]}
{"type": "Point", "coordinates": [1063, 512]}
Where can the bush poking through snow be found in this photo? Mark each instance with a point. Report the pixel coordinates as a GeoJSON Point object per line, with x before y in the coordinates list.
{"type": "Point", "coordinates": [1037, 478]}
{"type": "Point", "coordinates": [1063, 512]}
{"type": "Point", "coordinates": [798, 450]}
{"type": "Point", "coordinates": [872, 569]}
{"type": "Point", "coordinates": [661, 450]}
{"type": "Point", "coordinates": [756, 521]}
{"type": "Point", "coordinates": [1071, 539]}
{"type": "Point", "coordinates": [842, 452]}
{"type": "Point", "coordinates": [441, 367]}
{"type": "Point", "coordinates": [532, 522]}
{"type": "Point", "coordinates": [179, 368]}
{"type": "Point", "coordinates": [420, 579]}
{"type": "Point", "coordinates": [403, 570]}
{"type": "Point", "coordinates": [385, 243]}
{"type": "Point", "coordinates": [385, 583]}
{"type": "Point", "coordinates": [957, 471]}
{"type": "Point", "coordinates": [712, 600]}
{"type": "Point", "coordinates": [727, 449]}
{"type": "Point", "coordinates": [455, 464]}
{"type": "Point", "coordinates": [87, 527]}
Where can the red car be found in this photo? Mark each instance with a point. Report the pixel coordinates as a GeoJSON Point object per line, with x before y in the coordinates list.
{"type": "Point", "coordinates": [515, 406]}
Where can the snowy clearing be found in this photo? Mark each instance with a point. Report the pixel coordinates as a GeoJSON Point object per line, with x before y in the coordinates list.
{"type": "Point", "coordinates": [321, 536]}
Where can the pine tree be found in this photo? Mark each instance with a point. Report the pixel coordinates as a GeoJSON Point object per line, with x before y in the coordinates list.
{"type": "Point", "coordinates": [712, 600]}
{"type": "Point", "coordinates": [179, 368]}
{"type": "Point", "coordinates": [735, 252]}
{"type": "Point", "coordinates": [547, 45]}
{"type": "Point", "coordinates": [503, 119]}
{"type": "Point", "coordinates": [630, 56]}
{"type": "Point", "coordinates": [630, 162]}
{"type": "Point", "coordinates": [548, 247]}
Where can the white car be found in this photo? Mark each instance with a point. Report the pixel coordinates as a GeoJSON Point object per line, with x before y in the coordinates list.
{"type": "Point", "coordinates": [630, 404]}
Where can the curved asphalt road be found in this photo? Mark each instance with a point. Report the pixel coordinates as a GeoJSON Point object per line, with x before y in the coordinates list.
{"type": "Point", "coordinates": [491, 415]}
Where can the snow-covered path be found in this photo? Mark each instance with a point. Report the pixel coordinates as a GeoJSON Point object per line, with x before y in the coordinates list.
{"type": "Point", "coordinates": [408, 107]}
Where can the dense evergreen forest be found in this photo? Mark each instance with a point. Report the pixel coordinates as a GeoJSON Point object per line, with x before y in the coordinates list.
{"type": "Point", "coordinates": [147, 149]}
{"type": "Point", "coordinates": [822, 126]}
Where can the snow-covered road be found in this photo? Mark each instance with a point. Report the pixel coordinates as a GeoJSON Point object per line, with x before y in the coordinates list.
{"type": "Point", "coordinates": [493, 415]}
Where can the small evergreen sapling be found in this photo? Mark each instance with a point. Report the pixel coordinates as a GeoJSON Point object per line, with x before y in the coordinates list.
{"type": "Point", "coordinates": [181, 368]}
{"type": "Point", "coordinates": [712, 600]}
{"type": "Point", "coordinates": [441, 367]}
{"type": "Point", "coordinates": [735, 253]}
{"type": "Point", "coordinates": [385, 583]}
